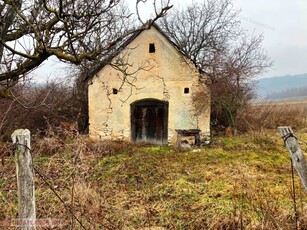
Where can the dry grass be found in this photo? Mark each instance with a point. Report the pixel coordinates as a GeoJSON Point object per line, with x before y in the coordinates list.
{"type": "Point", "coordinates": [262, 117]}
{"type": "Point", "coordinates": [238, 183]}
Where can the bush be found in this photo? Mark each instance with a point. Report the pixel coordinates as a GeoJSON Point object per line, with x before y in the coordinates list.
{"type": "Point", "coordinates": [38, 107]}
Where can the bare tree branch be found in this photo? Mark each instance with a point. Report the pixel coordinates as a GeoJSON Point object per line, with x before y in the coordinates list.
{"type": "Point", "coordinates": [210, 34]}
{"type": "Point", "coordinates": [74, 31]}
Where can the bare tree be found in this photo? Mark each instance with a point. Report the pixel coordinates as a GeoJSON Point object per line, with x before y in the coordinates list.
{"type": "Point", "coordinates": [210, 34]}
{"type": "Point", "coordinates": [31, 31]}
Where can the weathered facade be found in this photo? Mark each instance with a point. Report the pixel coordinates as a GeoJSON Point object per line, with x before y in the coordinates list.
{"type": "Point", "coordinates": [147, 93]}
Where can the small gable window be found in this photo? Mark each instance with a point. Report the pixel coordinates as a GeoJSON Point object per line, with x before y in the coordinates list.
{"type": "Point", "coordinates": [152, 48]}
{"type": "Point", "coordinates": [115, 91]}
{"type": "Point", "coordinates": [186, 90]}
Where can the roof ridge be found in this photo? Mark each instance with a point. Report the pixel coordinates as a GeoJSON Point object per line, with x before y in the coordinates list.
{"type": "Point", "coordinates": [121, 47]}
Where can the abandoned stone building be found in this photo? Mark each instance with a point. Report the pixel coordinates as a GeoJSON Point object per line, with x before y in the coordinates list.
{"type": "Point", "coordinates": [147, 92]}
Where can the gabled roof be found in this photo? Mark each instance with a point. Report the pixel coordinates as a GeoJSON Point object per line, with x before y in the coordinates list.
{"type": "Point", "coordinates": [108, 59]}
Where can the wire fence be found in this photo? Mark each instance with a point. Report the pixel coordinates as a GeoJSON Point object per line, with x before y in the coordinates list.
{"type": "Point", "coordinates": [55, 193]}
{"type": "Point", "coordinates": [69, 208]}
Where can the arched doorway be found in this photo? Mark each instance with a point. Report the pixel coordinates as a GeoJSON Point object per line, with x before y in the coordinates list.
{"type": "Point", "coordinates": [149, 121]}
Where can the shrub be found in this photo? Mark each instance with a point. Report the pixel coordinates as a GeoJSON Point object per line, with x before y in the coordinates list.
{"type": "Point", "coordinates": [38, 107]}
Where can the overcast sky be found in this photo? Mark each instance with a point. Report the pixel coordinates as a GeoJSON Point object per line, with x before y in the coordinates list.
{"type": "Point", "coordinates": [284, 26]}
{"type": "Point", "coordinates": [282, 22]}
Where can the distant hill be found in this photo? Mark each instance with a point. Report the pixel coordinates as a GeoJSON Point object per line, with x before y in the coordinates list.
{"type": "Point", "coordinates": [283, 87]}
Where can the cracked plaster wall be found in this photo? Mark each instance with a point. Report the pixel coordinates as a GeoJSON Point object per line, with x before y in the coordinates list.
{"type": "Point", "coordinates": [161, 75]}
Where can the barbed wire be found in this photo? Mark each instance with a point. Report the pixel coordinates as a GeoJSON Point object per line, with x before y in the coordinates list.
{"type": "Point", "coordinates": [43, 177]}
{"type": "Point", "coordinates": [285, 138]}
{"type": "Point", "coordinates": [296, 214]}
{"type": "Point", "coordinates": [50, 186]}
{"type": "Point", "coordinates": [69, 209]}
{"type": "Point", "coordinates": [302, 141]}
{"type": "Point", "coordinates": [299, 139]}
{"type": "Point", "coordinates": [58, 196]}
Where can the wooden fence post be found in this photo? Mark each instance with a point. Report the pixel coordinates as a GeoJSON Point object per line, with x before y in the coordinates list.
{"type": "Point", "coordinates": [298, 157]}
{"type": "Point", "coordinates": [25, 179]}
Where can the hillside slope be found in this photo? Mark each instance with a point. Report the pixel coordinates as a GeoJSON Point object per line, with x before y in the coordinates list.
{"type": "Point", "coordinates": [277, 86]}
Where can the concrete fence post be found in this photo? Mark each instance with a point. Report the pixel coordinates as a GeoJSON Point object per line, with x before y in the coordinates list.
{"type": "Point", "coordinates": [25, 179]}
{"type": "Point", "coordinates": [298, 157]}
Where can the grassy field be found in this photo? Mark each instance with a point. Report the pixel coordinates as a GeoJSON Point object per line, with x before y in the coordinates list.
{"type": "Point", "coordinates": [238, 183]}
{"type": "Point", "coordinates": [268, 116]}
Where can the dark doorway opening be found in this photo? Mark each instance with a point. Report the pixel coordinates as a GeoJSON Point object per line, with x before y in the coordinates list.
{"type": "Point", "coordinates": [149, 121]}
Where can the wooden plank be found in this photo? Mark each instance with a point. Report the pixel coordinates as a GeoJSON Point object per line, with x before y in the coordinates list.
{"type": "Point", "coordinates": [297, 156]}
{"type": "Point", "coordinates": [25, 179]}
